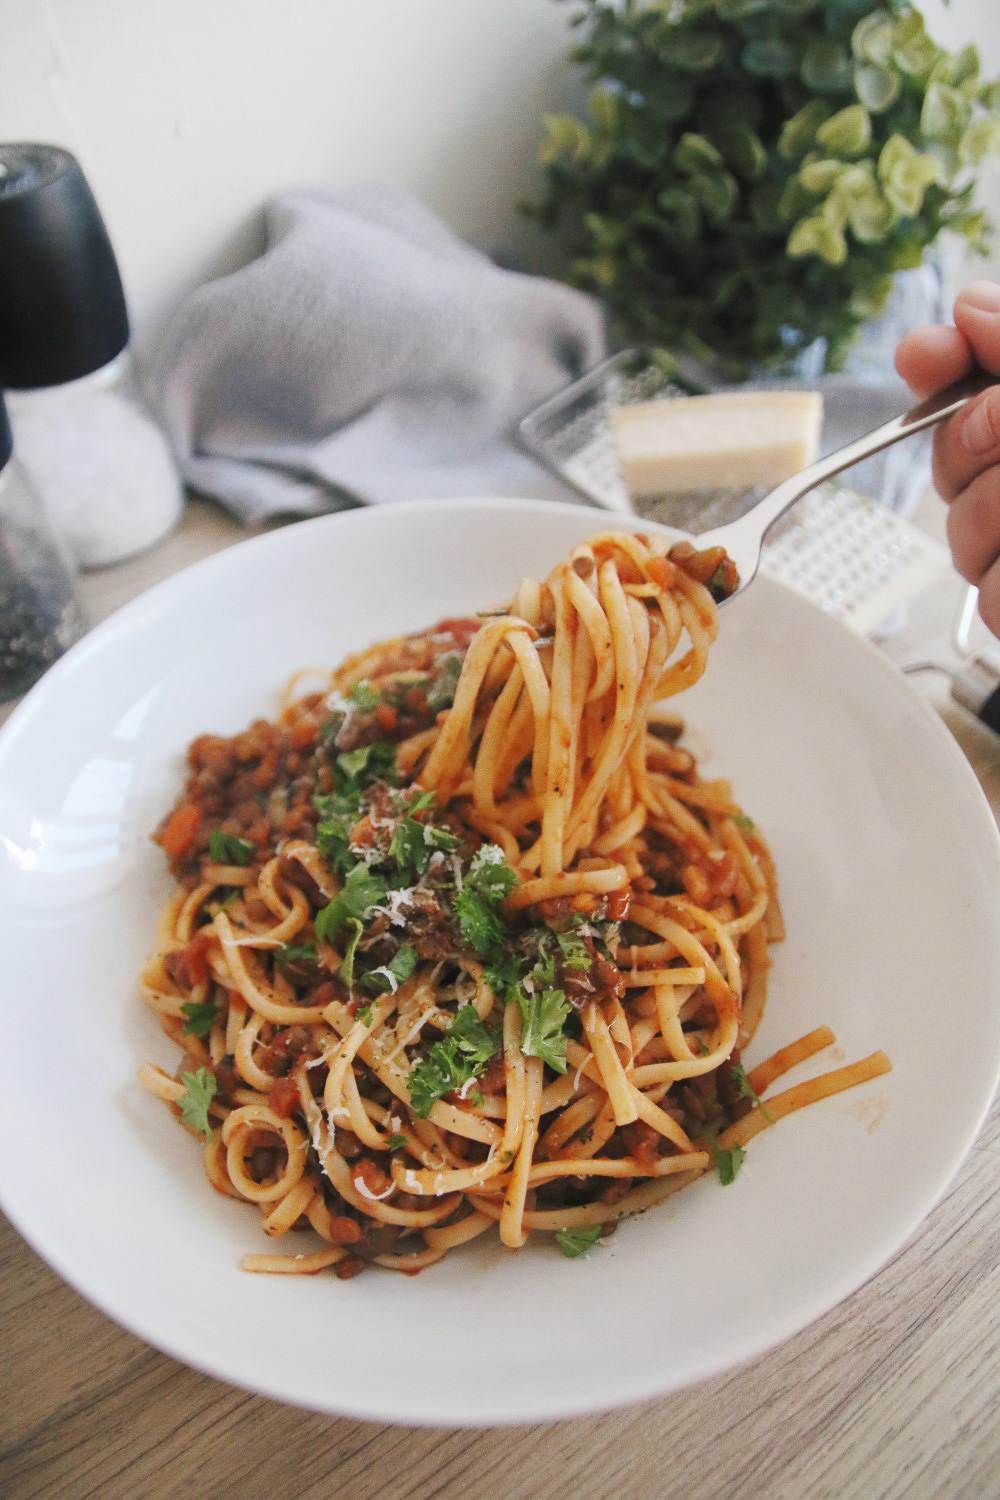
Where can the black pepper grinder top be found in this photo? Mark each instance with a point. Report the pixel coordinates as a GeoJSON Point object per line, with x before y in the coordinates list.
{"type": "Point", "coordinates": [62, 304]}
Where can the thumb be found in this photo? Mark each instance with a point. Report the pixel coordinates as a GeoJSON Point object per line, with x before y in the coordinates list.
{"type": "Point", "coordinates": [977, 316]}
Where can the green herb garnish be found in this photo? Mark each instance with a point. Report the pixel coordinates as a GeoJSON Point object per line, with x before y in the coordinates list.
{"type": "Point", "coordinates": [359, 768]}
{"type": "Point", "coordinates": [200, 1018]}
{"type": "Point", "coordinates": [229, 848]}
{"type": "Point", "coordinates": [364, 696]}
{"type": "Point", "coordinates": [360, 892]}
{"type": "Point", "coordinates": [575, 953]}
{"type": "Point", "coordinates": [746, 1090]}
{"type": "Point", "coordinates": [413, 841]}
{"type": "Point", "coordinates": [391, 975]}
{"type": "Point", "coordinates": [543, 1015]}
{"type": "Point", "coordinates": [728, 1162]}
{"type": "Point", "coordinates": [575, 1242]}
{"type": "Point", "coordinates": [396, 1143]}
{"type": "Point", "coordinates": [292, 953]}
{"type": "Point", "coordinates": [346, 971]}
{"type": "Point", "coordinates": [441, 693]}
{"type": "Point", "coordinates": [200, 1089]}
{"type": "Point", "coordinates": [487, 881]}
{"type": "Point", "coordinates": [459, 1056]}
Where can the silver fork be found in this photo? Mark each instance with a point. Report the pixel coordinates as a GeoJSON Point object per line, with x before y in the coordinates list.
{"type": "Point", "coordinates": [744, 537]}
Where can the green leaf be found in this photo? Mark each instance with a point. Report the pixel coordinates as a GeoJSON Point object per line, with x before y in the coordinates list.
{"type": "Point", "coordinates": [604, 109]}
{"type": "Point", "coordinates": [826, 67]}
{"type": "Point", "coordinates": [848, 132]}
{"type": "Point", "coordinates": [819, 176]}
{"type": "Point", "coordinates": [740, 10]}
{"type": "Point", "coordinates": [798, 134]}
{"type": "Point", "coordinates": [441, 693]}
{"type": "Point", "coordinates": [488, 880]}
{"type": "Point", "coordinates": [364, 697]}
{"type": "Point", "coordinates": [746, 1090]}
{"type": "Point", "coordinates": [815, 236]}
{"type": "Point", "coordinates": [717, 194]}
{"type": "Point", "coordinates": [454, 1061]}
{"type": "Point", "coordinates": [359, 768]}
{"type": "Point", "coordinates": [414, 842]}
{"type": "Point", "coordinates": [912, 49]}
{"type": "Point", "coordinates": [695, 153]}
{"type": "Point", "coordinates": [360, 892]}
{"type": "Point", "coordinates": [694, 51]}
{"type": "Point", "coordinates": [391, 975]}
{"type": "Point", "coordinates": [945, 113]}
{"type": "Point", "coordinates": [229, 848]}
{"type": "Point", "coordinates": [575, 953]}
{"type": "Point", "coordinates": [905, 174]}
{"type": "Point", "coordinates": [771, 57]}
{"type": "Point", "coordinates": [980, 140]}
{"type": "Point", "coordinates": [681, 208]}
{"type": "Point", "coordinates": [200, 1018]}
{"type": "Point", "coordinates": [200, 1089]}
{"type": "Point", "coordinates": [728, 1163]}
{"type": "Point", "coordinates": [871, 40]}
{"type": "Point", "coordinates": [543, 1016]}
{"type": "Point", "coordinates": [396, 1143]}
{"type": "Point", "coordinates": [291, 953]}
{"type": "Point", "coordinates": [576, 1242]}
{"type": "Point", "coordinates": [877, 88]}
{"type": "Point", "coordinates": [742, 149]}
{"type": "Point", "coordinates": [353, 927]}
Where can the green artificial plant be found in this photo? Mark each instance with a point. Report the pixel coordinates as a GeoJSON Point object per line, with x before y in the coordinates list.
{"type": "Point", "coordinates": [752, 173]}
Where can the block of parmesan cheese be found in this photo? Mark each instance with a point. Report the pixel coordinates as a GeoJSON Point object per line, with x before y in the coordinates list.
{"type": "Point", "coordinates": [730, 440]}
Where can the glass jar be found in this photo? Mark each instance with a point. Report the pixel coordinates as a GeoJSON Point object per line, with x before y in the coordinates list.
{"type": "Point", "coordinates": [40, 615]}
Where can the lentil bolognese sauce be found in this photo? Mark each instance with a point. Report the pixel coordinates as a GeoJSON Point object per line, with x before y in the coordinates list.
{"type": "Point", "coordinates": [464, 939]}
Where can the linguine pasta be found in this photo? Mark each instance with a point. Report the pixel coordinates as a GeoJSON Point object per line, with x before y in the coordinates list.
{"type": "Point", "coordinates": [464, 940]}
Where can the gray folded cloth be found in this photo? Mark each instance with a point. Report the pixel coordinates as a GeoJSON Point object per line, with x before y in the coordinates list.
{"type": "Point", "coordinates": [366, 356]}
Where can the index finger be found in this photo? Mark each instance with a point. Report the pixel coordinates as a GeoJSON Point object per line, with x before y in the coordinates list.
{"type": "Point", "coordinates": [931, 358]}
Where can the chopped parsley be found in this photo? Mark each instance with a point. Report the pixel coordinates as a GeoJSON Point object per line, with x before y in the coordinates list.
{"type": "Point", "coordinates": [414, 841]}
{"type": "Point", "coordinates": [487, 881]}
{"type": "Point", "coordinates": [458, 1057]}
{"type": "Point", "coordinates": [575, 1242]}
{"type": "Point", "coordinates": [391, 975]}
{"type": "Point", "coordinates": [746, 1090]}
{"type": "Point", "coordinates": [396, 1143]}
{"type": "Point", "coordinates": [364, 696]}
{"type": "Point", "coordinates": [575, 953]}
{"type": "Point", "coordinates": [441, 693]}
{"type": "Point", "coordinates": [200, 1089]}
{"type": "Point", "coordinates": [728, 1162]}
{"type": "Point", "coordinates": [294, 953]}
{"type": "Point", "coordinates": [543, 1015]}
{"type": "Point", "coordinates": [199, 1018]}
{"type": "Point", "coordinates": [229, 848]}
{"type": "Point", "coordinates": [360, 892]}
{"type": "Point", "coordinates": [742, 821]}
{"type": "Point", "coordinates": [346, 970]}
{"type": "Point", "coordinates": [359, 768]}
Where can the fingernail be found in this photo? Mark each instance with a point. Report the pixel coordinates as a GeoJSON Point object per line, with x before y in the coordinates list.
{"type": "Point", "coordinates": [984, 296]}
{"type": "Point", "coordinates": [979, 432]}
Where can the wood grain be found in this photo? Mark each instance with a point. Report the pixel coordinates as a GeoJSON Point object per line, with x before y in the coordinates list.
{"type": "Point", "coordinates": [895, 1393]}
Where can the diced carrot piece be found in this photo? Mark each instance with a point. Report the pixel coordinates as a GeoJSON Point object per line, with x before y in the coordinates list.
{"type": "Point", "coordinates": [180, 830]}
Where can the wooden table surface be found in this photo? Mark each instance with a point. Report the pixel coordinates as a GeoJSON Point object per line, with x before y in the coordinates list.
{"type": "Point", "coordinates": [894, 1393]}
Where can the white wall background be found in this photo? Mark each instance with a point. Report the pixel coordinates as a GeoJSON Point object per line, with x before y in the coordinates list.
{"type": "Point", "coordinates": [187, 114]}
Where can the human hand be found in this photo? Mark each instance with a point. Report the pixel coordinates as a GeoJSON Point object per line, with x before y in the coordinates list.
{"type": "Point", "coordinates": [966, 463]}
